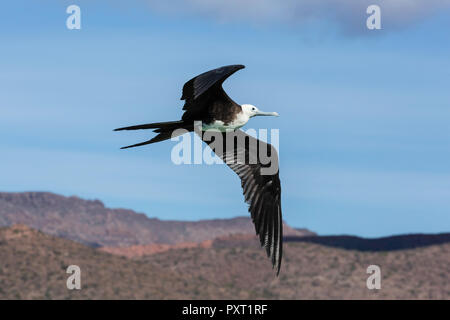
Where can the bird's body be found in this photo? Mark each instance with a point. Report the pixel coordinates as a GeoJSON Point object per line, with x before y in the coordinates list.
{"type": "Point", "coordinates": [238, 120]}
{"type": "Point", "coordinates": [207, 102]}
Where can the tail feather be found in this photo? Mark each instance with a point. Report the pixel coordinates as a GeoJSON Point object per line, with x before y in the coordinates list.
{"type": "Point", "coordinates": [138, 144]}
{"type": "Point", "coordinates": [165, 131]}
{"type": "Point", "coordinates": [153, 125]}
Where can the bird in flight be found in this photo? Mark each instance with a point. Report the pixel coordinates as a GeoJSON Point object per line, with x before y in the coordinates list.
{"type": "Point", "coordinates": [207, 102]}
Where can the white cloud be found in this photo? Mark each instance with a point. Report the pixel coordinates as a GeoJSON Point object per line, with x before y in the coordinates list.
{"type": "Point", "coordinates": [350, 15]}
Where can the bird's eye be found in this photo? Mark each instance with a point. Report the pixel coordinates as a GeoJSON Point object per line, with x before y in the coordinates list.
{"type": "Point", "coordinates": [253, 109]}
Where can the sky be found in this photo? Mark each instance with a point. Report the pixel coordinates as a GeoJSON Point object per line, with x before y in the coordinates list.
{"type": "Point", "coordinates": [364, 114]}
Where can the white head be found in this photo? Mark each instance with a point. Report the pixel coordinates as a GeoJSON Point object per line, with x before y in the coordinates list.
{"type": "Point", "coordinates": [251, 111]}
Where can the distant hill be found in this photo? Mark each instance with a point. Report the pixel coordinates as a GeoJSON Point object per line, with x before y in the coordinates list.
{"type": "Point", "coordinates": [147, 258]}
{"type": "Point", "coordinates": [33, 266]}
{"type": "Point", "coordinates": [91, 223]}
{"type": "Point", "coordinates": [398, 242]}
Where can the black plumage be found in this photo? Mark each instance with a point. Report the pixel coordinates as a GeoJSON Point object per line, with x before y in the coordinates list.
{"type": "Point", "coordinates": [261, 191]}
{"type": "Point", "coordinates": [205, 98]}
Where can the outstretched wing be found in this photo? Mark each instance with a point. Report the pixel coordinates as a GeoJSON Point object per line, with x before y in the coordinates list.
{"type": "Point", "coordinates": [205, 90]}
{"type": "Point", "coordinates": [256, 164]}
{"type": "Point", "coordinates": [201, 83]}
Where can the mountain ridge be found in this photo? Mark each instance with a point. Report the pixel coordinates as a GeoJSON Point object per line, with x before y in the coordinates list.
{"type": "Point", "coordinates": [91, 223]}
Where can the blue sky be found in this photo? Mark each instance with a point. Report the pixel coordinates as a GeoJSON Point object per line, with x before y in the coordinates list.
{"type": "Point", "coordinates": [364, 125]}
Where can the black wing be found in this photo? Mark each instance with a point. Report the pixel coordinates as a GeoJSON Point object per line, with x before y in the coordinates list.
{"type": "Point", "coordinates": [260, 182]}
{"type": "Point", "coordinates": [208, 81]}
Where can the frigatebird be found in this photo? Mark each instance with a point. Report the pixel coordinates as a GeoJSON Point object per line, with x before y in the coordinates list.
{"type": "Point", "coordinates": [206, 101]}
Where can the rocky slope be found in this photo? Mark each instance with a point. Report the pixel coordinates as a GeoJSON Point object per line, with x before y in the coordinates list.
{"type": "Point", "coordinates": [91, 223]}
{"type": "Point", "coordinates": [33, 266]}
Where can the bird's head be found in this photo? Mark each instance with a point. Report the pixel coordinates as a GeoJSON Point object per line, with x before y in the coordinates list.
{"type": "Point", "coordinates": [252, 111]}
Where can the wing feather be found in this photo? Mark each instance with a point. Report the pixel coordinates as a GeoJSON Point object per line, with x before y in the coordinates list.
{"type": "Point", "coordinates": [201, 83]}
{"type": "Point", "coordinates": [261, 192]}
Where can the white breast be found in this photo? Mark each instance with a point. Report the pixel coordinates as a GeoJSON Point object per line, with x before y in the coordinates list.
{"type": "Point", "coordinates": [219, 125]}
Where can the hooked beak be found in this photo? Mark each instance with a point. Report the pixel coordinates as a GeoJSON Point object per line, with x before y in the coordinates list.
{"type": "Point", "coordinates": [262, 113]}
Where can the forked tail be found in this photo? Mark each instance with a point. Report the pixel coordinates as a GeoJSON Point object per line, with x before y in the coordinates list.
{"type": "Point", "coordinates": [165, 131]}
